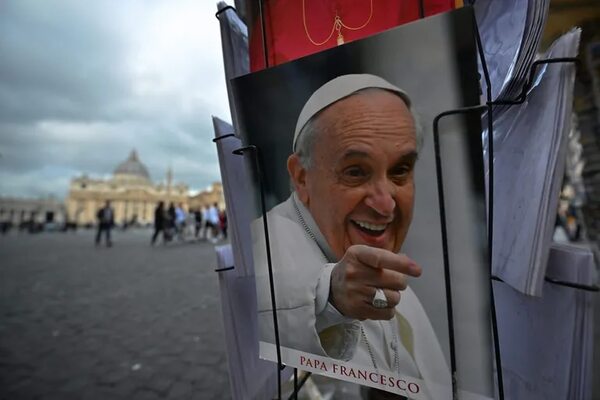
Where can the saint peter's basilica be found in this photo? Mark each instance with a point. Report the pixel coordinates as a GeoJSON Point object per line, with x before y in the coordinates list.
{"type": "Point", "coordinates": [132, 193]}
{"type": "Point", "coordinates": [130, 190]}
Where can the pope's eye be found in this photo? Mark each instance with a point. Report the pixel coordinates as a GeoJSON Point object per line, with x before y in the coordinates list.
{"type": "Point", "coordinates": [354, 172]}
{"type": "Point", "coordinates": [401, 172]}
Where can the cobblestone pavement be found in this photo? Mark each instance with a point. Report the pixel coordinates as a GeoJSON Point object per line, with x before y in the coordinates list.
{"type": "Point", "coordinates": [127, 322]}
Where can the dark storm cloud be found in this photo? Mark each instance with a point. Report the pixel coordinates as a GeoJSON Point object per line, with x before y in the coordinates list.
{"type": "Point", "coordinates": [59, 62]}
{"type": "Point", "coordinates": [83, 83]}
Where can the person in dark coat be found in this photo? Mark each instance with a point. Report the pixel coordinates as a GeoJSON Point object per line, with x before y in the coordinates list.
{"type": "Point", "coordinates": [106, 220]}
{"type": "Point", "coordinates": [198, 222]}
{"type": "Point", "coordinates": [223, 223]}
{"type": "Point", "coordinates": [159, 221]}
{"type": "Point", "coordinates": [170, 228]}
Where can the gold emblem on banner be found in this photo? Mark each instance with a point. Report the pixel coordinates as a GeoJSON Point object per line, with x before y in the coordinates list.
{"type": "Point", "coordinates": [338, 24]}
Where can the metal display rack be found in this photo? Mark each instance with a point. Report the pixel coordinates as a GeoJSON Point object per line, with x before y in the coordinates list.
{"type": "Point", "coordinates": [254, 152]}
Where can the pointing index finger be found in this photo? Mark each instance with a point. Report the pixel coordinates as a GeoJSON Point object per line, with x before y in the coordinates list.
{"type": "Point", "coordinates": [385, 259]}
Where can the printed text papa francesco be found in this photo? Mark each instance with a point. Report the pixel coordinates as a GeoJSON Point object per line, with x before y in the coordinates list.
{"type": "Point", "coordinates": [356, 373]}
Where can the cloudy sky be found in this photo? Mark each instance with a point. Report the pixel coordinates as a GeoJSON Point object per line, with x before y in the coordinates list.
{"type": "Point", "coordinates": [82, 83]}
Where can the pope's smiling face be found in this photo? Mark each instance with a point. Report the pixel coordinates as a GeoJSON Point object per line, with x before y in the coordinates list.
{"type": "Point", "coordinates": [359, 187]}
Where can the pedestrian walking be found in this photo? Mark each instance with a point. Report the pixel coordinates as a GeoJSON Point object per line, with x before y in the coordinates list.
{"type": "Point", "coordinates": [197, 222]}
{"type": "Point", "coordinates": [190, 223]}
{"type": "Point", "coordinates": [170, 222]}
{"type": "Point", "coordinates": [180, 217]}
{"type": "Point", "coordinates": [159, 222]}
{"type": "Point", "coordinates": [213, 217]}
{"type": "Point", "coordinates": [223, 223]}
{"type": "Point", "coordinates": [205, 223]}
{"type": "Point", "coordinates": [106, 221]}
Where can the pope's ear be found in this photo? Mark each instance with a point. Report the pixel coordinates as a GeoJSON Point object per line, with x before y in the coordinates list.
{"type": "Point", "coordinates": [298, 176]}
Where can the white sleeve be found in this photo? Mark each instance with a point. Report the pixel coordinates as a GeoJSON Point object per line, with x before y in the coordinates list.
{"type": "Point", "coordinates": [327, 314]}
{"type": "Point", "coordinates": [346, 329]}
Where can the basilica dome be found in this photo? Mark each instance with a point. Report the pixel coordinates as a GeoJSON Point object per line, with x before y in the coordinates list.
{"type": "Point", "coordinates": [132, 167]}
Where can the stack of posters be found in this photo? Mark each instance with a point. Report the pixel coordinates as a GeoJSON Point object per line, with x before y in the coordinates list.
{"type": "Point", "coordinates": [510, 33]}
{"type": "Point", "coordinates": [250, 377]}
{"type": "Point", "coordinates": [376, 241]}
{"type": "Point", "coordinates": [234, 40]}
{"type": "Point", "coordinates": [236, 189]}
{"type": "Point", "coordinates": [547, 343]}
{"type": "Point", "coordinates": [529, 159]}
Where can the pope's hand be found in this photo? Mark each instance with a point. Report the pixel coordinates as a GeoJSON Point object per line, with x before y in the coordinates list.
{"type": "Point", "coordinates": [360, 271]}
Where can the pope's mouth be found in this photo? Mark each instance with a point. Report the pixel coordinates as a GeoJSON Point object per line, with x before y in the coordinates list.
{"type": "Point", "coordinates": [370, 229]}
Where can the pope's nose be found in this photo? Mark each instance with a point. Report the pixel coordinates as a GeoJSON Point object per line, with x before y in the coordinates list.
{"type": "Point", "coordinates": [381, 199]}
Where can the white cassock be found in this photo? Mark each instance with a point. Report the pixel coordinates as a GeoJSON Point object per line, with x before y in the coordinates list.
{"type": "Point", "coordinates": [301, 260]}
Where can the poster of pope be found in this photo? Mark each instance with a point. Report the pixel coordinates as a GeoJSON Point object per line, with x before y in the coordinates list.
{"type": "Point", "coordinates": [354, 257]}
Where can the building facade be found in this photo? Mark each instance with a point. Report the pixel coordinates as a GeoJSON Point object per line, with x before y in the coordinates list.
{"type": "Point", "coordinates": [17, 211]}
{"type": "Point", "coordinates": [132, 194]}
{"type": "Point", "coordinates": [206, 198]}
